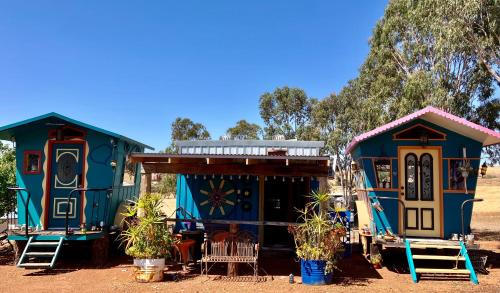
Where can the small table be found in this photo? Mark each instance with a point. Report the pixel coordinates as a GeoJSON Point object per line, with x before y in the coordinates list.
{"type": "Point", "coordinates": [184, 247]}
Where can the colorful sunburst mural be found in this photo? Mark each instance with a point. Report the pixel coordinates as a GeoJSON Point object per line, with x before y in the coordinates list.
{"type": "Point", "coordinates": [221, 197]}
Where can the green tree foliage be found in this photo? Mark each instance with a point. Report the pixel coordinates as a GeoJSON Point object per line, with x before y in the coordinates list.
{"type": "Point", "coordinates": [167, 185]}
{"type": "Point", "coordinates": [443, 53]}
{"type": "Point", "coordinates": [186, 129]}
{"type": "Point", "coordinates": [244, 130]}
{"type": "Point", "coordinates": [286, 111]}
{"type": "Point", "coordinates": [433, 52]}
{"type": "Point", "coordinates": [7, 178]}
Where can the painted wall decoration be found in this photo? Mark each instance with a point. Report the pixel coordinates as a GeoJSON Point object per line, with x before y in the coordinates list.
{"type": "Point", "coordinates": [220, 197]}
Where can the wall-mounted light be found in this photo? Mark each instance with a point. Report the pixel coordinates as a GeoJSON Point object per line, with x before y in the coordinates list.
{"type": "Point", "coordinates": [354, 166]}
{"type": "Point", "coordinates": [113, 164]}
{"type": "Point", "coordinates": [484, 168]}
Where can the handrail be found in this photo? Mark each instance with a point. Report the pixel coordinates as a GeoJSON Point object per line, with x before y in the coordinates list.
{"type": "Point", "coordinates": [404, 209]}
{"type": "Point", "coordinates": [79, 190]}
{"type": "Point", "coordinates": [462, 213]}
{"type": "Point", "coordinates": [26, 214]}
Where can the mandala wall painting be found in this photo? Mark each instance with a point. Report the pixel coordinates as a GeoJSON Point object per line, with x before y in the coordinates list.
{"type": "Point", "coordinates": [220, 197]}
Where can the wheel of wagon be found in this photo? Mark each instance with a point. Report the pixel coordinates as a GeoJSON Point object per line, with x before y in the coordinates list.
{"type": "Point", "coordinates": [218, 198]}
{"type": "Point", "coordinates": [18, 247]}
{"type": "Point", "coordinates": [100, 251]}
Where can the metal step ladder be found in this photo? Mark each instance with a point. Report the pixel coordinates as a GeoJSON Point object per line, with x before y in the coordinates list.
{"type": "Point", "coordinates": [35, 258]}
{"type": "Point", "coordinates": [460, 256]}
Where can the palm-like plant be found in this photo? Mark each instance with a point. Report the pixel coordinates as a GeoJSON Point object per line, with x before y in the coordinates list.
{"type": "Point", "coordinates": [147, 235]}
{"type": "Point", "coordinates": [317, 237]}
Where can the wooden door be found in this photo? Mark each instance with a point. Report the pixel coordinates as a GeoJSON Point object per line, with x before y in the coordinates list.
{"type": "Point", "coordinates": [66, 174]}
{"type": "Point", "coordinates": [420, 187]}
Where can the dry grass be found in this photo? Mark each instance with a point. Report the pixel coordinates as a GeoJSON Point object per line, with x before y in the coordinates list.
{"type": "Point", "coordinates": [486, 214]}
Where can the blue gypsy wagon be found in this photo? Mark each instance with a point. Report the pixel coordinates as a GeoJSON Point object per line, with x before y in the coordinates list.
{"type": "Point", "coordinates": [71, 178]}
{"type": "Point", "coordinates": [416, 176]}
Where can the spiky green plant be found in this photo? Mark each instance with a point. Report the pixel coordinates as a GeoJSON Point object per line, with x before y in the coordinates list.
{"type": "Point", "coordinates": [146, 234]}
{"type": "Point", "coordinates": [316, 236]}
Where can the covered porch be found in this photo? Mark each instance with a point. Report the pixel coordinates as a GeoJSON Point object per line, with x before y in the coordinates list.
{"type": "Point", "coordinates": [258, 193]}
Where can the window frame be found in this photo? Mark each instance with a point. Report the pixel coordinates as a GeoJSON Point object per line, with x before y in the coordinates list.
{"type": "Point", "coordinates": [26, 154]}
{"type": "Point", "coordinates": [377, 181]}
{"type": "Point", "coordinates": [421, 173]}
{"type": "Point", "coordinates": [416, 198]}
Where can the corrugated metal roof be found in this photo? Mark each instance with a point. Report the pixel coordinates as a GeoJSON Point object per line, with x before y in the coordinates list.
{"type": "Point", "coordinates": [249, 147]}
{"type": "Point", "coordinates": [438, 117]}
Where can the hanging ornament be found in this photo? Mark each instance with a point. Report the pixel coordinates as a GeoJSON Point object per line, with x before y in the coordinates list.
{"type": "Point", "coordinates": [246, 206]}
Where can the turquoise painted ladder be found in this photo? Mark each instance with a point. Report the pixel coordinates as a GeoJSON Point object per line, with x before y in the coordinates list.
{"type": "Point", "coordinates": [461, 256]}
{"type": "Point", "coordinates": [50, 252]}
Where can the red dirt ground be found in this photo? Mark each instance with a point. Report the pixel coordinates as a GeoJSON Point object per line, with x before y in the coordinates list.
{"type": "Point", "coordinates": [356, 276]}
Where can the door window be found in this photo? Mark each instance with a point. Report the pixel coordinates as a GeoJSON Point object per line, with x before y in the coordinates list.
{"type": "Point", "coordinates": [411, 180]}
{"type": "Point", "coordinates": [427, 186]}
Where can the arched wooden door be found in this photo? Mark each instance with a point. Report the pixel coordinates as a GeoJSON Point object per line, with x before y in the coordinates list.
{"type": "Point", "coordinates": [420, 187]}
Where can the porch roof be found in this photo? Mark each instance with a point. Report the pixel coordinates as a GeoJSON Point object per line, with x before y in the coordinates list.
{"type": "Point", "coordinates": [441, 118]}
{"type": "Point", "coordinates": [254, 165]}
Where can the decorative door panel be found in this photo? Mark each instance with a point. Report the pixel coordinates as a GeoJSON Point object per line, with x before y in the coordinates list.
{"type": "Point", "coordinates": [66, 175]}
{"type": "Point", "coordinates": [420, 189]}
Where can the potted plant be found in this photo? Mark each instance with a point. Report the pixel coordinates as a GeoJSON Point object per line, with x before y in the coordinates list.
{"type": "Point", "coordinates": [376, 260]}
{"type": "Point", "coordinates": [147, 237]}
{"type": "Point", "coordinates": [317, 241]}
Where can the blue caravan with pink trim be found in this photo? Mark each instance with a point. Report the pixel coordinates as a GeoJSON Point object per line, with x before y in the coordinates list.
{"type": "Point", "coordinates": [416, 184]}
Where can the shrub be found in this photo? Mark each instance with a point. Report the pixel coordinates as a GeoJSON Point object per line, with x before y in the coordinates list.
{"type": "Point", "coordinates": [147, 234]}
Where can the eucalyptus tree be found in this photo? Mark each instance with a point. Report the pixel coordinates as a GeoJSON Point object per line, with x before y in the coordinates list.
{"type": "Point", "coordinates": [286, 111]}
{"type": "Point", "coordinates": [245, 130]}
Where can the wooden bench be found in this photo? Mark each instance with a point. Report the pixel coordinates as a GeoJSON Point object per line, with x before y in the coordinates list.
{"type": "Point", "coordinates": [225, 247]}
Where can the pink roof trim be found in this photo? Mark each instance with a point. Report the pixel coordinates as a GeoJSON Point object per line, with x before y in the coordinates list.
{"type": "Point", "coordinates": [413, 116]}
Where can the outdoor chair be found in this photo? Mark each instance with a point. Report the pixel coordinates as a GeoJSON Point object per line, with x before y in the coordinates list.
{"type": "Point", "coordinates": [225, 247]}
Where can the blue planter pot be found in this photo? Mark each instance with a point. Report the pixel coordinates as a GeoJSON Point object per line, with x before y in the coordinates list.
{"type": "Point", "coordinates": [313, 272]}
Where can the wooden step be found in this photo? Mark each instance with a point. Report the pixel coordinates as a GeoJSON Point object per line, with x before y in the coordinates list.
{"type": "Point", "coordinates": [438, 257]}
{"type": "Point", "coordinates": [40, 253]}
{"type": "Point", "coordinates": [442, 271]}
{"type": "Point", "coordinates": [47, 243]}
{"type": "Point", "coordinates": [424, 246]}
{"type": "Point", "coordinates": [35, 265]}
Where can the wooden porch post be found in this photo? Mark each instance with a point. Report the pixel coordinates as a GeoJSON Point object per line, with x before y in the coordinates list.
{"type": "Point", "coordinates": [262, 180]}
{"type": "Point", "coordinates": [148, 183]}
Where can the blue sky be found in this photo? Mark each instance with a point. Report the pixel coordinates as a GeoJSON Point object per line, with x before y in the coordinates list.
{"type": "Point", "coordinates": [133, 66]}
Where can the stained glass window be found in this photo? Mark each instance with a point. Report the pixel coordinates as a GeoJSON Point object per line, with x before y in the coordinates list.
{"type": "Point", "coordinates": [426, 174]}
{"type": "Point", "coordinates": [411, 178]}
{"type": "Point", "coordinates": [383, 172]}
